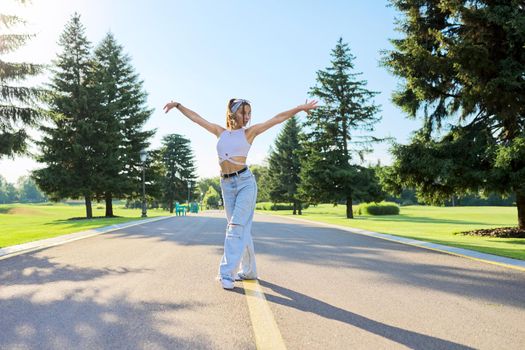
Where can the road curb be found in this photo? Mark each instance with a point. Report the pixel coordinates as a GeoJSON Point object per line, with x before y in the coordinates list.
{"type": "Point", "coordinates": [511, 263]}
{"type": "Point", "coordinates": [14, 250]}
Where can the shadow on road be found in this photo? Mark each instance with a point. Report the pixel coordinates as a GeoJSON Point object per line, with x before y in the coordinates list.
{"type": "Point", "coordinates": [287, 241]}
{"type": "Point", "coordinates": [45, 304]}
{"type": "Point", "coordinates": [305, 303]}
{"type": "Point", "coordinates": [25, 312]}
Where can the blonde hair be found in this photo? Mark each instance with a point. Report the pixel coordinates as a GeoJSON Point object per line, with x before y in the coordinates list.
{"type": "Point", "coordinates": [231, 121]}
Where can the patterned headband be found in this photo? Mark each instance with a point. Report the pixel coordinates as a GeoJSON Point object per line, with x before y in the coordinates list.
{"type": "Point", "coordinates": [237, 103]}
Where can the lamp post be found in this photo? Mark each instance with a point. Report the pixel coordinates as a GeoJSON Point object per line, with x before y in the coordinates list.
{"type": "Point", "coordinates": [143, 156]}
{"type": "Point", "coordinates": [189, 186]}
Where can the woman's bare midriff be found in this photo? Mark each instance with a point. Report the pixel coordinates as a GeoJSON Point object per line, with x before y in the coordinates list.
{"type": "Point", "coordinates": [228, 168]}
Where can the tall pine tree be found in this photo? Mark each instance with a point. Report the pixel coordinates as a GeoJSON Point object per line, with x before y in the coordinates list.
{"type": "Point", "coordinates": [336, 132]}
{"type": "Point", "coordinates": [68, 147]}
{"type": "Point", "coordinates": [462, 64]}
{"type": "Point", "coordinates": [119, 113]}
{"type": "Point", "coordinates": [285, 166]}
{"type": "Point", "coordinates": [19, 105]}
{"type": "Point", "coordinates": [180, 170]}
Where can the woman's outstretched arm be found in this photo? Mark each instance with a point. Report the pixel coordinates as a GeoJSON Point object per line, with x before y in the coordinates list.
{"type": "Point", "coordinates": [258, 129]}
{"type": "Point", "coordinates": [194, 117]}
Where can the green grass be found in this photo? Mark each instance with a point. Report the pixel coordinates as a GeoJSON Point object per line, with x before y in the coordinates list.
{"type": "Point", "coordinates": [21, 223]}
{"type": "Point", "coordinates": [431, 224]}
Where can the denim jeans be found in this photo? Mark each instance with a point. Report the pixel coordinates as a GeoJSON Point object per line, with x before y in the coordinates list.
{"type": "Point", "coordinates": [239, 193]}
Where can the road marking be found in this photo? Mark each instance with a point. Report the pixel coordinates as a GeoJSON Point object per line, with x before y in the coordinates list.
{"type": "Point", "coordinates": [267, 334]}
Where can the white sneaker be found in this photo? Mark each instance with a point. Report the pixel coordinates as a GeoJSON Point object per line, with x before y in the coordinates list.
{"type": "Point", "coordinates": [227, 284]}
{"type": "Point", "coordinates": [241, 277]}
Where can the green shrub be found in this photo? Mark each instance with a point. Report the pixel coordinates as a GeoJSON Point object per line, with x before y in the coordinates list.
{"type": "Point", "coordinates": [383, 208]}
{"type": "Point", "coordinates": [276, 206]}
{"type": "Point", "coordinates": [262, 206]}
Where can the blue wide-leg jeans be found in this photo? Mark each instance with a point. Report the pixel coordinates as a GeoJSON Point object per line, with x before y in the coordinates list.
{"type": "Point", "coordinates": [239, 193]}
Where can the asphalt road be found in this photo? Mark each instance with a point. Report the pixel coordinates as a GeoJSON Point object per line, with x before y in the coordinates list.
{"type": "Point", "coordinates": [152, 286]}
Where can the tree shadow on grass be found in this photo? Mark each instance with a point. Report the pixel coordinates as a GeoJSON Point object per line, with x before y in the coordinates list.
{"type": "Point", "coordinates": [421, 220]}
{"type": "Point", "coordinates": [75, 222]}
{"type": "Point", "coordinates": [5, 210]}
{"type": "Point", "coordinates": [509, 241]}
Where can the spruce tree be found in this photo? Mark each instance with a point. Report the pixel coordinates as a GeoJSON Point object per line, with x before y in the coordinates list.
{"type": "Point", "coordinates": [19, 105]}
{"type": "Point", "coordinates": [120, 112]}
{"type": "Point", "coordinates": [284, 166]}
{"type": "Point", "coordinates": [177, 157]}
{"type": "Point", "coordinates": [68, 145]}
{"type": "Point", "coordinates": [336, 132]}
{"type": "Point", "coordinates": [462, 65]}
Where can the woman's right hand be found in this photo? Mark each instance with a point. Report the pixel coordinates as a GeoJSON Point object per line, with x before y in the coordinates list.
{"type": "Point", "coordinates": [170, 105]}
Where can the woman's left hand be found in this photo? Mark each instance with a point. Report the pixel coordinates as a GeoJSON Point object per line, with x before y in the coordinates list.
{"type": "Point", "coordinates": [308, 106]}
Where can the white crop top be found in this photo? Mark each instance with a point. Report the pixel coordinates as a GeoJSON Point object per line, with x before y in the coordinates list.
{"type": "Point", "coordinates": [232, 143]}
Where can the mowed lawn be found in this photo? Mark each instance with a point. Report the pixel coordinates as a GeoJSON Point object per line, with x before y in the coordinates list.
{"type": "Point", "coordinates": [21, 223]}
{"type": "Point", "coordinates": [432, 224]}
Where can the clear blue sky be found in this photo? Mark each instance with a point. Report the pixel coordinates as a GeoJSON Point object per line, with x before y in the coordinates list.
{"type": "Point", "coordinates": [202, 53]}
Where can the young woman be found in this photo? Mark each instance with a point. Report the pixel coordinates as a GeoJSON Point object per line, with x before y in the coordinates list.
{"type": "Point", "coordinates": [239, 189]}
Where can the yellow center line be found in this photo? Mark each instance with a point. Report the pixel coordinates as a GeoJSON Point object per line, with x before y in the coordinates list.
{"type": "Point", "coordinates": [267, 334]}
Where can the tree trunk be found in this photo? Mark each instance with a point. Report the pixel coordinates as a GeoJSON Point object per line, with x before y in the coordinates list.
{"type": "Point", "coordinates": [300, 207]}
{"type": "Point", "coordinates": [294, 207]}
{"type": "Point", "coordinates": [349, 210]}
{"type": "Point", "coordinates": [171, 207]}
{"type": "Point", "coordinates": [109, 205]}
{"type": "Point", "coordinates": [520, 203]}
{"type": "Point", "coordinates": [89, 209]}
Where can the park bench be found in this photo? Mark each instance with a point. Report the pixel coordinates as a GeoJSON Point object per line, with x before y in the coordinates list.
{"type": "Point", "coordinates": [180, 209]}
